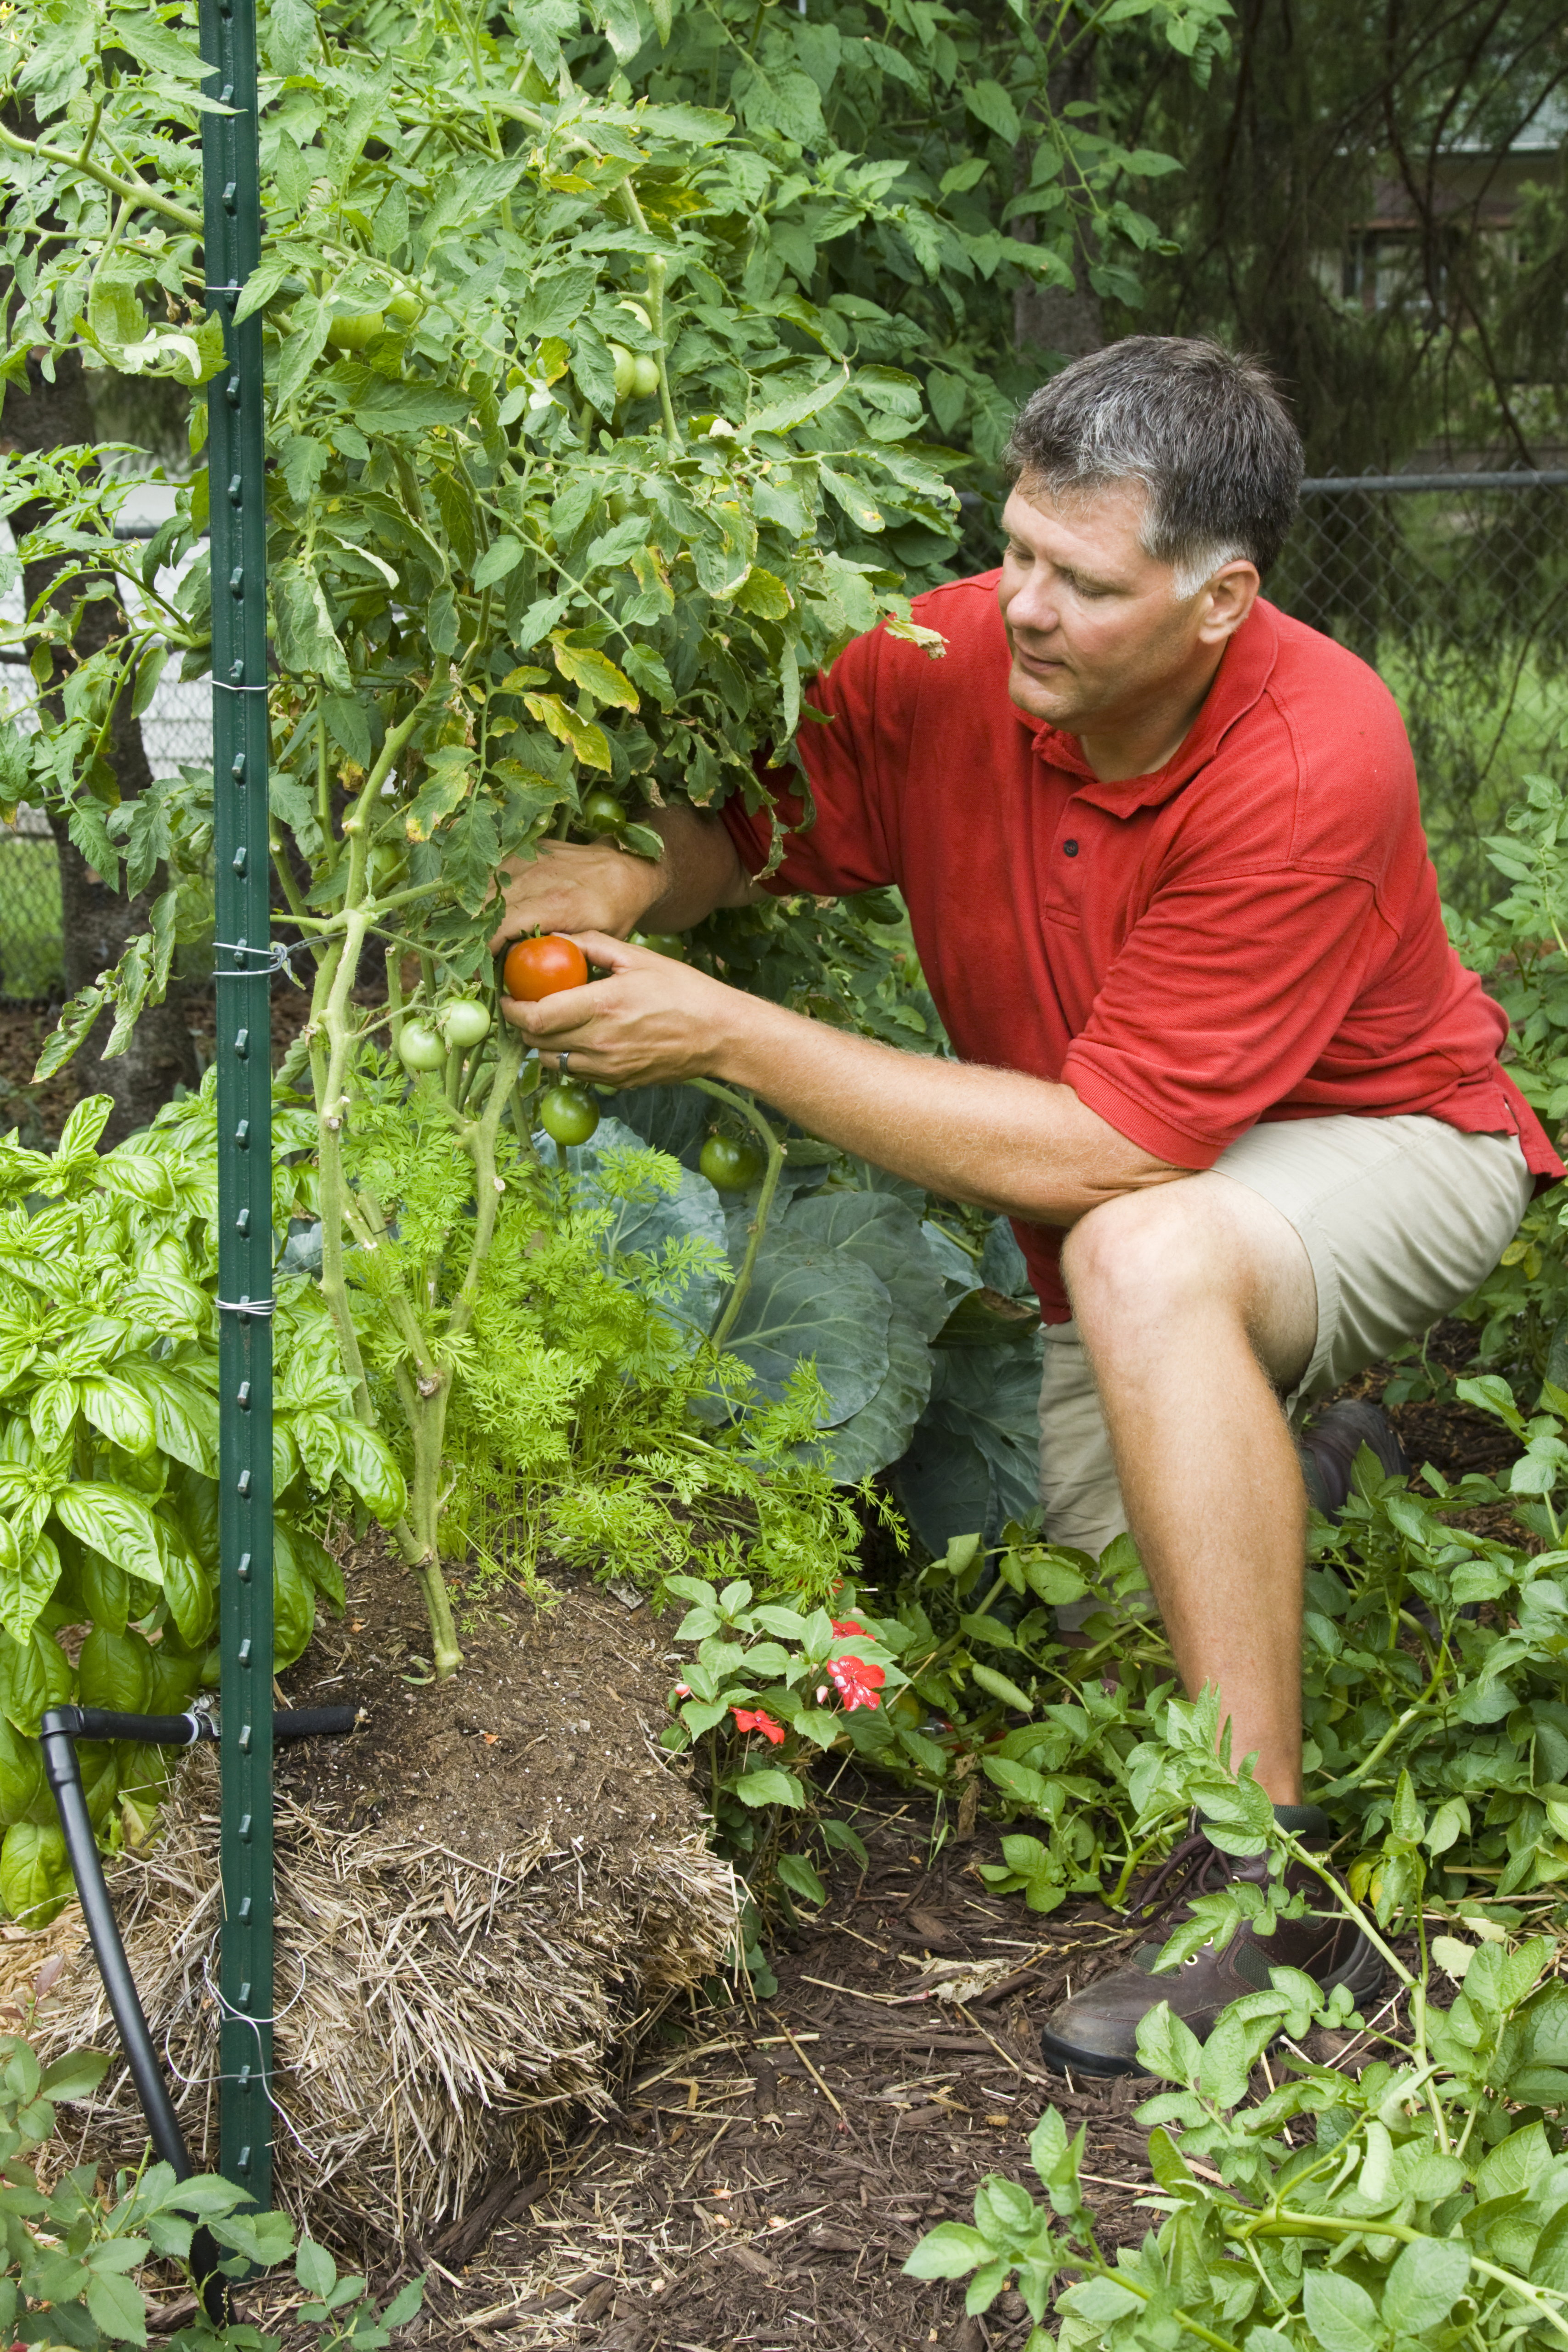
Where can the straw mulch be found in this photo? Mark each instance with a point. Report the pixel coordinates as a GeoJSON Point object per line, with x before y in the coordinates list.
{"type": "Point", "coordinates": [439, 2018]}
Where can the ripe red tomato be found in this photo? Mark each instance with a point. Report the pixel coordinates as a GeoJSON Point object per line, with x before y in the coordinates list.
{"type": "Point", "coordinates": [539, 968]}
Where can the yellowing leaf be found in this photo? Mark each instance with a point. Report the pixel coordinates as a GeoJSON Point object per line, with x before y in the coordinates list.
{"type": "Point", "coordinates": [587, 743]}
{"type": "Point", "coordinates": [516, 679]}
{"type": "Point", "coordinates": [586, 667]}
{"type": "Point", "coordinates": [765, 593]}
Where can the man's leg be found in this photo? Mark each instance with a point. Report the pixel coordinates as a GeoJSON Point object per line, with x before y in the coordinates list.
{"type": "Point", "coordinates": [1197, 1306]}
{"type": "Point", "coordinates": [1312, 1248]}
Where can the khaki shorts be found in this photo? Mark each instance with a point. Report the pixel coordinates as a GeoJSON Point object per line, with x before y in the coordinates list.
{"type": "Point", "coordinates": [1402, 1218]}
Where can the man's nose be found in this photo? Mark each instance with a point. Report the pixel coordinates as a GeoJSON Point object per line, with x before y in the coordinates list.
{"type": "Point", "coordinates": [1036, 605]}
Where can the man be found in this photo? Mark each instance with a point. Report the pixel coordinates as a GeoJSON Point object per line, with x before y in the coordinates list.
{"type": "Point", "coordinates": [1163, 855]}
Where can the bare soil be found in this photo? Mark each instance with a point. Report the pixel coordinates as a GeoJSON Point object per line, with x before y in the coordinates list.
{"type": "Point", "coordinates": [550, 1722]}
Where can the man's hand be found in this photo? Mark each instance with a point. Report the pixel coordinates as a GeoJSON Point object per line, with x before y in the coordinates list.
{"type": "Point", "coordinates": [570, 888]}
{"type": "Point", "coordinates": [654, 1022]}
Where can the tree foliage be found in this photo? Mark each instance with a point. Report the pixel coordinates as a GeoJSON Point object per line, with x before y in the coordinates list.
{"type": "Point", "coordinates": [1326, 119]}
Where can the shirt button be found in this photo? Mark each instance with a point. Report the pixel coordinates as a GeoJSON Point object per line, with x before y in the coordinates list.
{"type": "Point", "coordinates": [1069, 848]}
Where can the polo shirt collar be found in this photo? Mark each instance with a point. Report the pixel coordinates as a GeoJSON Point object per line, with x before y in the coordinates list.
{"type": "Point", "coordinates": [1244, 671]}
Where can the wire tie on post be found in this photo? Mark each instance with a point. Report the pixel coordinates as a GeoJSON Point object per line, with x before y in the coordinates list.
{"type": "Point", "coordinates": [279, 957]}
{"type": "Point", "coordinates": [224, 687]}
{"type": "Point", "coordinates": [246, 1306]}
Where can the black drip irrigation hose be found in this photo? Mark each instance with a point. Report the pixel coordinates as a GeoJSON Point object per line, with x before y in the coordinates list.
{"type": "Point", "coordinates": [62, 1728]}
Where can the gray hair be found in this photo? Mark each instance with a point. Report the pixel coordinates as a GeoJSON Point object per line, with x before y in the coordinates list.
{"type": "Point", "coordinates": [1203, 429]}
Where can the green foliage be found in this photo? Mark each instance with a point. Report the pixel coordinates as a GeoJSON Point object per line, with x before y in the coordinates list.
{"type": "Point", "coordinates": [1434, 1688]}
{"type": "Point", "coordinates": [1521, 948]}
{"type": "Point", "coordinates": [592, 1419]}
{"type": "Point", "coordinates": [71, 2250]}
{"type": "Point", "coordinates": [923, 1335]}
{"type": "Point", "coordinates": [108, 1458]}
{"type": "Point", "coordinates": [1423, 2201]}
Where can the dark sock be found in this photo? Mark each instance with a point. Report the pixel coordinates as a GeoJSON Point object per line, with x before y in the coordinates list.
{"type": "Point", "coordinates": [1302, 1821]}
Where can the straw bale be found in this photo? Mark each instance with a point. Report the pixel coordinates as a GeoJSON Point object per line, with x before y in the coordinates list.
{"type": "Point", "coordinates": [440, 2019]}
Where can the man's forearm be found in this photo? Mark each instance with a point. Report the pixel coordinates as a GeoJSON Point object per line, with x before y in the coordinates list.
{"type": "Point", "coordinates": [702, 870]}
{"type": "Point", "coordinates": [1014, 1144]}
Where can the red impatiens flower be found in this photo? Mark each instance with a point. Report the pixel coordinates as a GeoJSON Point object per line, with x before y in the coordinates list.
{"type": "Point", "coordinates": [845, 1627]}
{"type": "Point", "coordinates": [753, 1719]}
{"type": "Point", "coordinates": [856, 1681]}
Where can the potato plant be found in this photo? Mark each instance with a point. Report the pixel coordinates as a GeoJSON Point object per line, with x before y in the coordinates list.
{"type": "Point", "coordinates": [73, 2246]}
{"type": "Point", "coordinates": [1420, 2197]}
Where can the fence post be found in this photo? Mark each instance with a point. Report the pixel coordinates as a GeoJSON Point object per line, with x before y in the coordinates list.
{"type": "Point", "coordinates": [231, 205]}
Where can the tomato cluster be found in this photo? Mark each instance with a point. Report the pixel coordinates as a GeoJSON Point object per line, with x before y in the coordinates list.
{"type": "Point", "coordinates": [459, 1025]}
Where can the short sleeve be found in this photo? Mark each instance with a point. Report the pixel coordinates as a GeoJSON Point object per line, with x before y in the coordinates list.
{"type": "Point", "coordinates": [837, 843]}
{"type": "Point", "coordinates": [1195, 1032]}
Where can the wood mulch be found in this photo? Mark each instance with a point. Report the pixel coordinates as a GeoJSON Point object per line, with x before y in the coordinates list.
{"type": "Point", "coordinates": [767, 2176]}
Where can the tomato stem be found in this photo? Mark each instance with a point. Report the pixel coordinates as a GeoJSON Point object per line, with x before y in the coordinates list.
{"type": "Point", "coordinates": [725, 1322]}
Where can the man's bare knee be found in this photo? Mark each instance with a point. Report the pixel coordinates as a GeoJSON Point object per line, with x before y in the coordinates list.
{"type": "Point", "coordinates": [1149, 1259]}
{"type": "Point", "coordinates": [1144, 1254]}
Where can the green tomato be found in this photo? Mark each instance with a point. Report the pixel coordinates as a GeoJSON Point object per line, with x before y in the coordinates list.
{"type": "Point", "coordinates": [405, 307]}
{"type": "Point", "coordinates": [728, 1166]}
{"type": "Point", "coordinates": [638, 312]}
{"type": "Point", "coordinates": [357, 330]}
{"type": "Point", "coordinates": [602, 812]}
{"type": "Point", "coordinates": [644, 375]}
{"type": "Point", "coordinates": [463, 1022]}
{"type": "Point", "coordinates": [419, 1048]}
{"type": "Point", "coordinates": [566, 1115]}
{"type": "Point", "coordinates": [387, 865]}
{"type": "Point", "coordinates": [664, 943]}
{"type": "Point", "coordinates": [625, 371]}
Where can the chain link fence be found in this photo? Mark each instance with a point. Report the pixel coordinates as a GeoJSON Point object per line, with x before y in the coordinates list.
{"type": "Point", "coordinates": [176, 732]}
{"type": "Point", "coordinates": [1455, 588]}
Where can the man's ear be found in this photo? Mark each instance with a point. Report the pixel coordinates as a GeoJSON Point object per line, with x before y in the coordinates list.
{"type": "Point", "coordinates": [1227, 599]}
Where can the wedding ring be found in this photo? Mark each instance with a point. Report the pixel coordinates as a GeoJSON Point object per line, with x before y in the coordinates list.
{"type": "Point", "coordinates": [561, 1062]}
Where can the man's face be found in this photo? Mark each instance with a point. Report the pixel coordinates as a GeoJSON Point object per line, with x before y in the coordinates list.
{"type": "Point", "coordinates": [1094, 625]}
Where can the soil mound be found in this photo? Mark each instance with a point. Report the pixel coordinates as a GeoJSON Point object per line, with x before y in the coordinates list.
{"type": "Point", "coordinates": [485, 1898]}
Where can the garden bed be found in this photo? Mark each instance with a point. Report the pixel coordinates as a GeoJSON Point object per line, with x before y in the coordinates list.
{"type": "Point", "coordinates": [764, 2180]}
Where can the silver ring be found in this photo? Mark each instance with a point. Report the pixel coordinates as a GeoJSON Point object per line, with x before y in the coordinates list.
{"type": "Point", "coordinates": [561, 1062]}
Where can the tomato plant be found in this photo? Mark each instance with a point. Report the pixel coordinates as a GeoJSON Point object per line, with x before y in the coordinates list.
{"type": "Point", "coordinates": [599, 352]}
{"type": "Point", "coordinates": [602, 812]}
{"type": "Point", "coordinates": [419, 1048]}
{"type": "Point", "coordinates": [464, 1024]}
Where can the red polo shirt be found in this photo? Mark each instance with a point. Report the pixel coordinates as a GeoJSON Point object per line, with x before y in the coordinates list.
{"type": "Point", "coordinates": [1252, 932]}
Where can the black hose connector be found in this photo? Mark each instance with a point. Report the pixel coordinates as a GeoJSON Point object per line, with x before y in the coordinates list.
{"type": "Point", "coordinates": [151, 1730]}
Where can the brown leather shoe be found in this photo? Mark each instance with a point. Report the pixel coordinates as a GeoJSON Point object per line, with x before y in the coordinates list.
{"type": "Point", "coordinates": [1096, 2033]}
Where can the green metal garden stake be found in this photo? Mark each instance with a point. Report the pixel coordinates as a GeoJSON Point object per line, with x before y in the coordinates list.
{"type": "Point", "coordinates": [243, 964]}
